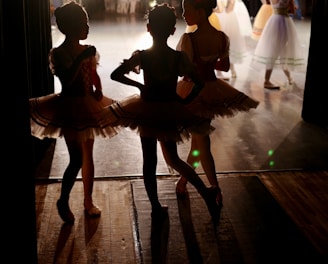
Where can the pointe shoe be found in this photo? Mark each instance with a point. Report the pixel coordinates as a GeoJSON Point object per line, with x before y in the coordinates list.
{"type": "Point", "coordinates": [224, 78]}
{"type": "Point", "coordinates": [92, 210]}
{"type": "Point", "coordinates": [290, 81]}
{"type": "Point", "coordinates": [64, 212]}
{"type": "Point", "coordinates": [219, 75]}
{"type": "Point", "coordinates": [181, 189]}
{"type": "Point", "coordinates": [271, 86]}
{"type": "Point", "coordinates": [210, 197]}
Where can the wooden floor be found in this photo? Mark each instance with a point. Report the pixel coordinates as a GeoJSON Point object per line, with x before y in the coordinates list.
{"type": "Point", "coordinates": [115, 236]}
{"type": "Point", "coordinates": [271, 144]}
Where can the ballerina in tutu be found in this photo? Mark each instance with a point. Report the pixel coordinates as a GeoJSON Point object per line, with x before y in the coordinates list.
{"type": "Point", "coordinates": [158, 114]}
{"type": "Point", "coordinates": [208, 48]}
{"type": "Point", "coordinates": [284, 49]}
{"type": "Point", "coordinates": [231, 26]}
{"type": "Point", "coordinates": [79, 112]}
{"type": "Point", "coordinates": [261, 18]}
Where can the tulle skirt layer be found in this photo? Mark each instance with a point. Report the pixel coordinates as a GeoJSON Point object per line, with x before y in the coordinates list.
{"type": "Point", "coordinates": [79, 118]}
{"type": "Point", "coordinates": [163, 120]}
{"type": "Point", "coordinates": [230, 26]}
{"type": "Point", "coordinates": [217, 98]}
{"type": "Point", "coordinates": [279, 44]}
{"type": "Point", "coordinates": [243, 18]}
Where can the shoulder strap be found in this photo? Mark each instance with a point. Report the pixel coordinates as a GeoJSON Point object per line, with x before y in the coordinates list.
{"type": "Point", "coordinates": [88, 52]}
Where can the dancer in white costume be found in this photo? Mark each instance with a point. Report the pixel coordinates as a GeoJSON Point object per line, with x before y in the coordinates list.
{"type": "Point", "coordinates": [279, 43]}
{"type": "Point", "coordinates": [231, 26]}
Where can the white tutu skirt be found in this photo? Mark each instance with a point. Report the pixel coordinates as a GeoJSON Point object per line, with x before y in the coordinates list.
{"type": "Point", "coordinates": [217, 98]}
{"type": "Point", "coordinates": [243, 17]}
{"type": "Point", "coordinates": [278, 45]}
{"type": "Point", "coordinates": [230, 26]}
{"type": "Point", "coordinates": [79, 118]}
{"type": "Point", "coordinates": [163, 120]}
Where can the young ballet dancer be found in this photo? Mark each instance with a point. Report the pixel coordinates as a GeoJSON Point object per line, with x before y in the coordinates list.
{"type": "Point", "coordinates": [279, 44]}
{"type": "Point", "coordinates": [207, 47]}
{"type": "Point", "coordinates": [158, 113]}
{"type": "Point", "coordinates": [79, 112]}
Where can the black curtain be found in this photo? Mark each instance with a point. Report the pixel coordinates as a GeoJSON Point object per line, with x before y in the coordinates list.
{"type": "Point", "coordinates": [24, 41]}
{"type": "Point", "coordinates": [315, 101]}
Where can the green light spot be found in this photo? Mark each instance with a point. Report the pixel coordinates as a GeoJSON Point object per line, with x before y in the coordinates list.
{"type": "Point", "coordinates": [270, 152]}
{"type": "Point", "coordinates": [271, 163]}
{"type": "Point", "coordinates": [195, 153]}
{"type": "Point", "coordinates": [195, 164]}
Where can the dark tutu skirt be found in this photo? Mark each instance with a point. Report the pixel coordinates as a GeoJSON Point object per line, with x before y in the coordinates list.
{"type": "Point", "coordinates": [217, 98]}
{"type": "Point", "coordinates": [163, 120]}
{"type": "Point", "coordinates": [79, 118]}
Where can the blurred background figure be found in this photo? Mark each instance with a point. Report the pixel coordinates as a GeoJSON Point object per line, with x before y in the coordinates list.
{"type": "Point", "coordinates": [279, 44]}
{"type": "Point", "coordinates": [298, 11]}
{"type": "Point", "coordinates": [53, 5]}
{"type": "Point", "coordinates": [230, 25]}
{"type": "Point", "coordinates": [261, 18]}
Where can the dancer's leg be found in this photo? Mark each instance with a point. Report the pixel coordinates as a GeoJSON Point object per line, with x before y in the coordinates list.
{"type": "Point", "coordinates": [149, 152]}
{"type": "Point", "coordinates": [267, 83]}
{"type": "Point", "coordinates": [288, 75]}
{"type": "Point", "coordinates": [88, 173]}
{"type": "Point", "coordinates": [170, 153]}
{"type": "Point", "coordinates": [69, 177]}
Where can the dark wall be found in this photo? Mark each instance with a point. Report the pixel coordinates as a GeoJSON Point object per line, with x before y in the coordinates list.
{"type": "Point", "coordinates": [315, 106]}
{"type": "Point", "coordinates": [24, 43]}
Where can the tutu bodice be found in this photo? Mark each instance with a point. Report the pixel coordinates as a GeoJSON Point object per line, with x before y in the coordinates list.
{"type": "Point", "coordinates": [281, 4]}
{"type": "Point", "coordinates": [74, 75]}
{"type": "Point", "coordinates": [222, 43]}
{"type": "Point", "coordinates": [74, 112]}
{"type": "Point", "coordinates": [160, 83]}
{"type": "Point", "coordinates": [217, 98]}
